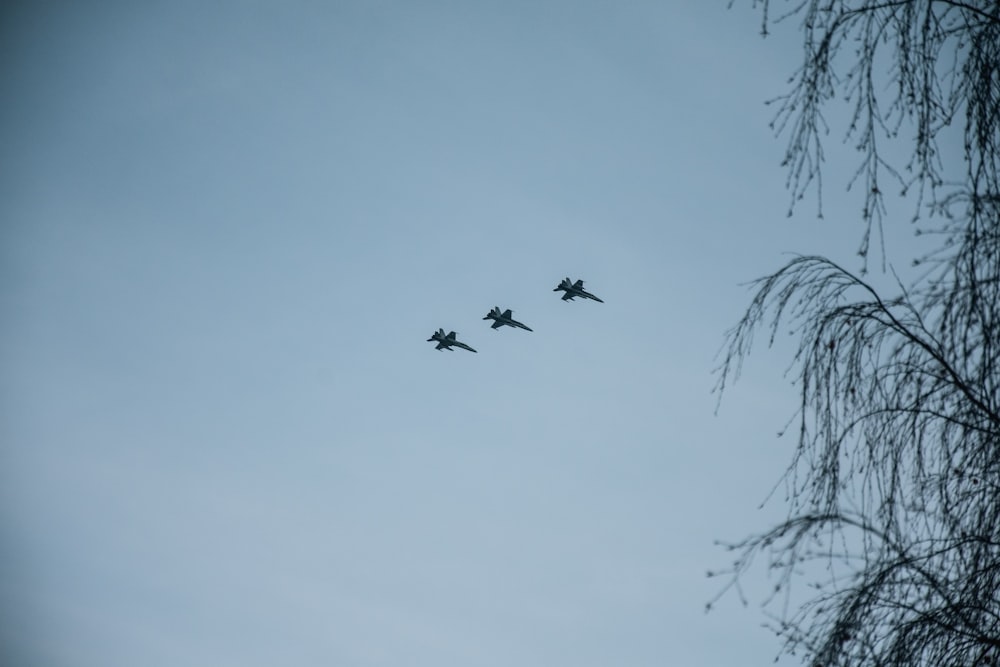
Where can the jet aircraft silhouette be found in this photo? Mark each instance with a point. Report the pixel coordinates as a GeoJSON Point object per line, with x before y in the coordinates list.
{"type": "Point", "coordinates": [573, 290]}
{"type": "Point", "coordinates": [447, 342]}
{"type": "Point", "coordinates": [504, 318]}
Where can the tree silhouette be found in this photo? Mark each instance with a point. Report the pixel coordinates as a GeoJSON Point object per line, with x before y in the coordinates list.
{"type": "Point", "coordinates": [894, 486]}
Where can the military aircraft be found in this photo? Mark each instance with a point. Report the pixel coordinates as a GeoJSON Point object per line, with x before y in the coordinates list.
{"type": "Point", "coordinates": [446, 342]}
{"type": "Point", "coordinates": [500, 319]}
{"type": "Point", "coordinates": [572, 290]}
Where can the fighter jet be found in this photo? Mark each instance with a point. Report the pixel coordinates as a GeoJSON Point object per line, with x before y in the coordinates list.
{"type": "Point", "coordinates": [500, 319]}
{"type": "Point", "coordinates": [572, 290]}
{"type": "Point", "coordinates": [446, 342]}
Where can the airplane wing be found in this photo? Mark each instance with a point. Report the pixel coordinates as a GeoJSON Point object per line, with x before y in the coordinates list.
{"type": "Point", "coordinates": [451, 336]}
{"type": "Point", "coordinates": [567, 296]}
{"type": "Point", "coordinates": [578, 284]}
{"type": "Point", "coordinates": [496, 323]}
{"type": "Point", "coordinates": [439, 346]}
{"type": "Point", "coordinates": [506, 313]}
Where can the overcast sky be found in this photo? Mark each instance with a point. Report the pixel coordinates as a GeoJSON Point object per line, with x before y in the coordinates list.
{"type": "Point", "coordinates": [228, 229]}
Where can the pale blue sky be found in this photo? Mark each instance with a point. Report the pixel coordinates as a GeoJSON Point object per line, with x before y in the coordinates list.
{"type": "Point", "coordinates": [228, 230]}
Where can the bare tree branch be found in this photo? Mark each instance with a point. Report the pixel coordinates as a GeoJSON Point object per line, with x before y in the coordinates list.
{"type": "Point", "coordinates": [894, 487]}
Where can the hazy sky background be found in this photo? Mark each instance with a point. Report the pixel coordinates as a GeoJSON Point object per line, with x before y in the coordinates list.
{"type": "Point", "coordinates": [228, 229]}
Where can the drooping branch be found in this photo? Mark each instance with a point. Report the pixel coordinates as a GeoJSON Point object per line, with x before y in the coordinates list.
{"type": "Point", "coordinates": [908, 70]}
